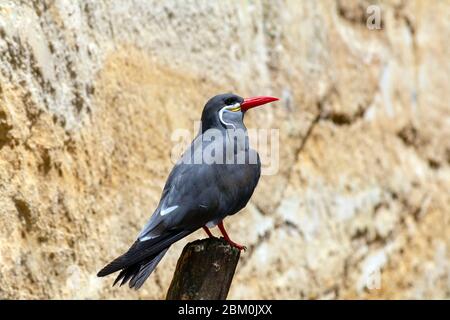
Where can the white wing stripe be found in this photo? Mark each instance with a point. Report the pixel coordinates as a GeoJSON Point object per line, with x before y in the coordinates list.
{"type": "Point", "coordinates": [168, 210]}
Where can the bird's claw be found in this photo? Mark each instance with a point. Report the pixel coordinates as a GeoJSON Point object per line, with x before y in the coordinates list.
{"type": "Point", "coordinates": [237, 246]}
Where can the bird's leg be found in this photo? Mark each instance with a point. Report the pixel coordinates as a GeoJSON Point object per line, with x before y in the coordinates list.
{"type": "Point", "coordinates": [227, 238]}
{"type": "Point", "coordinates": [208, 232]}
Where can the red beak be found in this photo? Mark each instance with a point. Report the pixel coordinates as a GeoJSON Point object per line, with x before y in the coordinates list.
{"type": "Point", "coordinates": [256, 101]}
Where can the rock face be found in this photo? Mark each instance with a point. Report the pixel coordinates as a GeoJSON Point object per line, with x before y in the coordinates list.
{"type": "Point", "coordinates": [91, 93]}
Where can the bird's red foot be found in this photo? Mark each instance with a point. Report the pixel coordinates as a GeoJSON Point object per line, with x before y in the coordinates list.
{"type": "Point", "coordinates": [208, 232]}
{"type": "Point", "coordinates": [236, 245]}
{"type": "Point", "coordinates": [227, 238]}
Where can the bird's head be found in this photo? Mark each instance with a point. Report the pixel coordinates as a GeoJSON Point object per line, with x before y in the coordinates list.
{"type": "Point", "coordinates": [227, 110]}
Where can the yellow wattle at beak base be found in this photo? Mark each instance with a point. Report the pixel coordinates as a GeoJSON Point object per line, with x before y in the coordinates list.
{"type": "Point", "coordinates": [235, 109]}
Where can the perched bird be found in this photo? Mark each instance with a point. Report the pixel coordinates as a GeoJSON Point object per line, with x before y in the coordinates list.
{"type": "Point", "coordinates": [214, 178]}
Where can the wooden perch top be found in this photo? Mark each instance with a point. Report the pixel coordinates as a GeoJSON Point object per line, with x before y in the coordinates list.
{"type": "Point", "coordinates": [204, 271]}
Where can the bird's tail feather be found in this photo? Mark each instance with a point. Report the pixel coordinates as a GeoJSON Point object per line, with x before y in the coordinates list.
{"type": "Point", "coordinates": [142, 255]}
{"type": "Point", "coordinates": [139, 272]}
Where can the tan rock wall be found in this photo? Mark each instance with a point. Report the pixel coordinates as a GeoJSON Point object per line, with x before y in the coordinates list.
{"type": "Point", "coordinates": [91, 92]}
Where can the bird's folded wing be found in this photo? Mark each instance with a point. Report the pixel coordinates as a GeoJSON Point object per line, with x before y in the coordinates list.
{"type": "Point", "coordinates": [185, 200]}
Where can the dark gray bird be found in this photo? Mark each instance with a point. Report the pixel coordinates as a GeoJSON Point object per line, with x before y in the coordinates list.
{"type": "Point", "coordinates": [214, 178]}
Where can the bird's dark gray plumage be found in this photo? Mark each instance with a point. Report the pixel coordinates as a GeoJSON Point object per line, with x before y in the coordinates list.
{"type": "Point", "coordinates": [197, 194]}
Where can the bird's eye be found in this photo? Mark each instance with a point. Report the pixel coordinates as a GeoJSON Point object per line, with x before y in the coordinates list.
{"type": "Point", "coordinates": [229, 101]}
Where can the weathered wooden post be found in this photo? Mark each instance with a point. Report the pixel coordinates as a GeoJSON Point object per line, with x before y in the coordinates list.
{"type": "Point", "coordinates": [204, 271]}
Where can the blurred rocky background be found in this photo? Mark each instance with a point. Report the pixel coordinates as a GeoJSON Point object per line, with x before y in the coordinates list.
{"type": "Point", "coordinates": [91, 92]}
